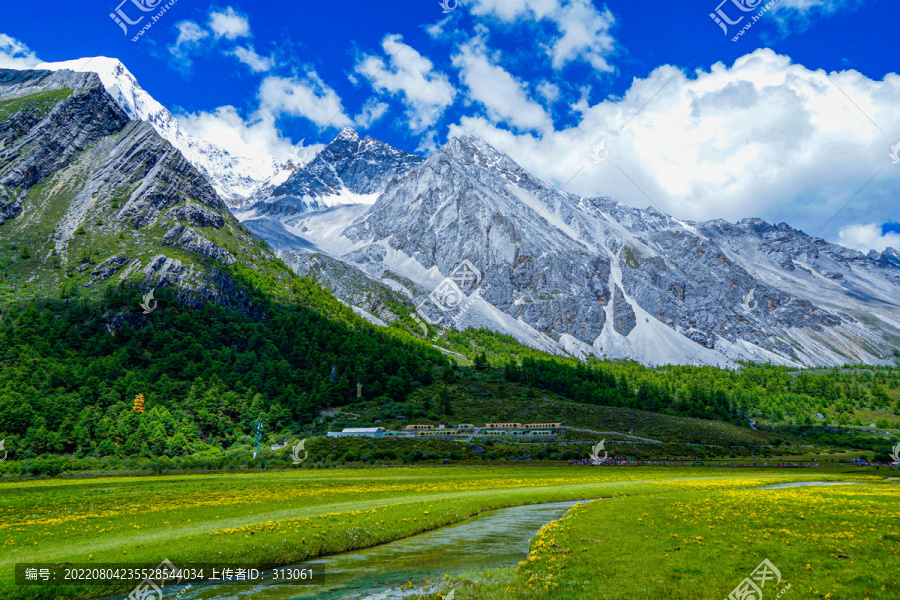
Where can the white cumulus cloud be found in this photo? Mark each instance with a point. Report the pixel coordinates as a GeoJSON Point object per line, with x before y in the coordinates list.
{"type": "Point", "coordinates": [257, 63]}
{"type": "Point", "coordinates": [15, 54]}
{"type": "Point", "coordinates": [226, 128]}
{"type": "Point", "coordinates": [868, 237]}
{"type": "Point", "coordinates": [189, 36]}
{"type": "Point", "coordinates": [371, 112]}
{"type": "Point", "coordinates": [761, 137]}
{"type": "Point", "coordinates": [228, 24]}
{"type": "Point", "coordinates": [307, 97]}
{"type": "Point", "coordinates": [584, 31]}
{"type": "Point", "coordinates": [549, 91]}
{"type": "Point", "coordinates": [504, 97]}
{"type": "Point", "coordinates": [425, 92]}
{"type": "Point", "coordinates": [821, 7]}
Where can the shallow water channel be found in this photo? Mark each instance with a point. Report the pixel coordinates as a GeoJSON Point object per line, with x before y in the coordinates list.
{"type": "Point", "coordinates": [493, 539]}
{"type": "Point", "coordinates": [779, 486]}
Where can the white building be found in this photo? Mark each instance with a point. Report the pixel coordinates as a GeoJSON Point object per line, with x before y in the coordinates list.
{"type": "Point", "coordinates": [358, 432]}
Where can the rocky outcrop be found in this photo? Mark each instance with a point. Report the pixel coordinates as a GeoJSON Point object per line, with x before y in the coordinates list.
{"type": "Point", "coordinates": [187, 239]}
{"type": "Point", "coordinates": [198, 215]}
{"type": "Point", "coordinates": [236, 178]}
{"type": "Point", "coordinates": [165, 178]}
{"type": "Point", "coordinates": [10, 208]}
{"type": "Point", "coordinates": [684, 292]}
{"type": "Point", "coordinates": [73, 164]}
{"type": "Point", "coordinates": [348, 163]}
{"type": "Point", "coordinates": [109, 267]}
{"type": "Point", "coordinates": [49, 119]}
{"type": "Point", "coordinates": [624, 320]}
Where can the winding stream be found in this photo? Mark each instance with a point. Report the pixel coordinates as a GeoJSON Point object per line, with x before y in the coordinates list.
{"type": "Point", "coordinates": [493, 539]}
{"type": "Point", "coordinates": [779, 486]}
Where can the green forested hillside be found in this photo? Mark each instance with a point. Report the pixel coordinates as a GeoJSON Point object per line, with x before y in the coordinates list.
{"type": "Point", "coordinates": [71, 368]}
{"type": "Point", "coordinates": [844, 396]}
{"type": "Point", "coordinates": [69, 372]}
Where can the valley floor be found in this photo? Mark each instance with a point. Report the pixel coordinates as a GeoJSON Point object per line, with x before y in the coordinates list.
{"type": "Point", "coordinates": [655, 533]}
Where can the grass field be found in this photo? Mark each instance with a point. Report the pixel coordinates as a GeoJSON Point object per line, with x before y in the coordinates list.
{"type": "Point", "coordinates": [700, 539]}
{"type": "Point", "coordinates": [286, 517]}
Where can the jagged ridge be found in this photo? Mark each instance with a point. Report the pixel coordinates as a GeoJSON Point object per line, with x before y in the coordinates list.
{"type": "Point", "coordinates": [594, 276]}
{"type": "Point", "coordinates": [91, 196]}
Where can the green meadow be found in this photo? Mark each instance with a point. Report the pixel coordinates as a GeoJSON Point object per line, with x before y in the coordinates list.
{"type": "Point", "coordinates": [668, 531]}
{"type": "Point", "coordinates": [700, 539]}
{"type": "Point", "coordinates": [276, 518]}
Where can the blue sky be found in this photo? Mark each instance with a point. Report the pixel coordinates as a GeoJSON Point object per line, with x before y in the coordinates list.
{"type": "Point", "coordinates": [794, 121]}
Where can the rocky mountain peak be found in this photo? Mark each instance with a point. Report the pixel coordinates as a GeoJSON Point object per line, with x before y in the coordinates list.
{"type": "Point", "coordinates": [95, 195]}
{"type": "Point", "coordinates": [890, 257]}
{"type": "Point", "coordinates": [470, 148]}
{"type": "Point", "coordinates": [235, 175]}
{"type": "Point", "coordinates": [62, 114]}
{"type": "Point", "coordinates": [347, 164]}
{"type": "Point", "coordinates": [599, 277]}
{"type": "Point", "coordinates": [117, 80]}
{"type": "Point", "coordinates": [349, 134]}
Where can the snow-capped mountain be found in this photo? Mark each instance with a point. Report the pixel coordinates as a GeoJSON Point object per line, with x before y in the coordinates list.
{"type": "Point", "coordinates": [76, 173]}
{"type": "Point", "coordinates": [349, 164]}
{"type": "Point", "coordinates": [236, 178]}
{"type": "Point", "coordinates": [583, 276]}
{"type": "Point", "coordinates": [347, 171]}
{"type": "Point", "coordinates": [336, 186]}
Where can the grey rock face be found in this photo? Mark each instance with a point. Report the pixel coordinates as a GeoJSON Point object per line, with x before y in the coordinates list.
{"type": "Point", "coordinates": [109, 268]}
{"type": "Point", "coordinates": [623, 282]}
{"type": "Point", "coordinates": [467, 201]}
{"type": "Point", "coordinates": [346, 282]}
{"type": "Point", "coordinates": [9, 208]}
{"type": "Point", "coordinates": [166, 179]}
{"type": "Point", "coordinates": [74, 165]}
{"type": "Point", "coordinates": [690, 284]}
{"type": "Point", "coordinates": [462, 203]}
{"type": "Point", "coordinates": [235, 177]}
{"type": "Point", "coordinates": [198, 215]}
{"type": "Point", "coordinates": [360, 166]}
{"type": "Point", "coordinates": [791, 249]}
{"type": "Point", "coordinates": [625, 319]}
{"type": "Point", "coordinates": [46, 137]}
{"type": "Point", "coordinates": [186, 238]}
